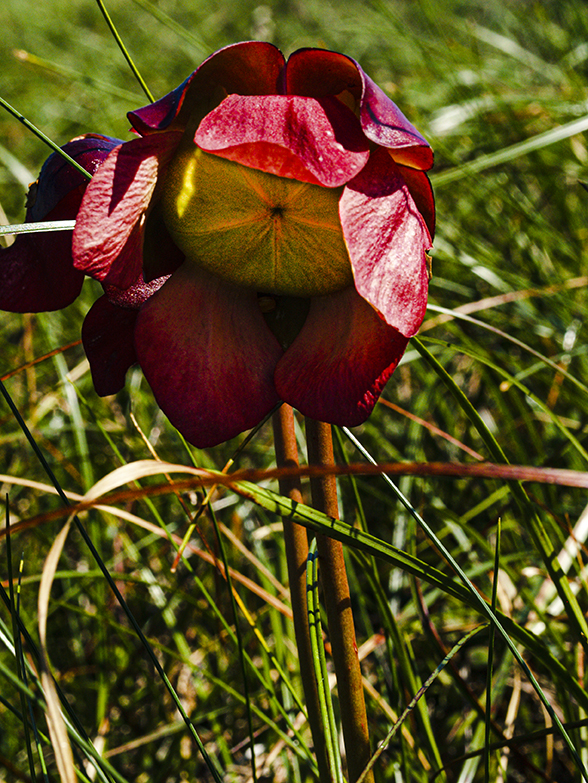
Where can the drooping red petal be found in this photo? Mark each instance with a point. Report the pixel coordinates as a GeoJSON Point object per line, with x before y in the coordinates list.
{"type": "Point", "coordinates": [420, 189]}
{"type": "Point", "coordinates": [36, 271]}
{"type": "Point", "coordinates": [383, 122]}
{"type": "Point", "coordinates": [208, 355]}
{"type": "Point", "coordinates": [108, 237]}
{"type": "Point", "coordinates": [108, 333]}
{"type": "Point", "coordinates": [28, 285]}
{"type": "Point", "coordinates": [318, 72]}
{"type": "Point", "coordinates": [340, 361]}
{"type": "Point", "coordinates": [387, 240]}
{"type": "Point", "coordinates": [161, 256]}
{"type": "Point", "coordinates": [108, 338]}
{"type": "Point", "coordinates": [312, 140]}
{"type": "Point", "coordinates": [250, 68]}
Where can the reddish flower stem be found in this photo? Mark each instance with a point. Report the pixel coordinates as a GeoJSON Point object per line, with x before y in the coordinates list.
{"type": "Point", "coordinates": [338, 605]}
{"type": "Point", "coordinates": [296, 542]}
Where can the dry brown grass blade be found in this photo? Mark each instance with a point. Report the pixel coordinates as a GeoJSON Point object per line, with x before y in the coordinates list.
{"type": "Point", "coordinates": [39, 359]}
{"type": "Point", "coordinates": [200, 478]}
{"type": "Point", "coordinates": [432, 428]}
{"type": "Point", "coordinates": [55, 721]}
{"type": "Point", "coordinates": [236, 576]}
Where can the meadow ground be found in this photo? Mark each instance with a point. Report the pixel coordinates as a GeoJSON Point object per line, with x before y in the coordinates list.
{"type": "Point", "coordinates": [500, 89]}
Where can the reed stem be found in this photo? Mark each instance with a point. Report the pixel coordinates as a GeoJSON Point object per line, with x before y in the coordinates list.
{"type": "Point", "coordinates": [338, 605]}
{"type": "Point", "coordinates": [296, 542]}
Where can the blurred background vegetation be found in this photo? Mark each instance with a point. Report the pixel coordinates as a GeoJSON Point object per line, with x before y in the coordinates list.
{"type": "Point", "coordinates": [477, 78]}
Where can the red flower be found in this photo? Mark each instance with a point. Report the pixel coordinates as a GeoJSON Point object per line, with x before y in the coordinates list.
{"type": "Point", "coordinates": [263, 239]}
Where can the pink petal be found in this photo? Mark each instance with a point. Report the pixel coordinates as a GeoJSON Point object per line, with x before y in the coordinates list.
{"type": "Point", "coordinates": [318, 72]}
{"type": "Point", "coordinates": [37, 272]}
{"type": "Point", "coordinates": [107, 335]}
{"type": "Point", "coordinates": [316, 141]}
{"type": "Point", "coordinates": [134, 296]}
{"type": "Point", "coordinates": [336, 368]}
{"type": "Point", "coordinates": [208, 356]}
{"type": "Point", "coordinates": [108, 238]}
{"type": "Point", "coordinates": [250, 68]}
{"type": "Point", "coordinates": [387, 240]}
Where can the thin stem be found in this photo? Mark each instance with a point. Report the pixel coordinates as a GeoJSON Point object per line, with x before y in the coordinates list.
{"type": "Point", "coordinates": [46, 225]}
{"type": "Point", "coordinates": [123, 49]}
{"type": "Point", "coordinates": [296, 542]}
{"type": "Point", "coordinates": [44, 138]}
{"type": "Point", "coordinates": [338, 606]}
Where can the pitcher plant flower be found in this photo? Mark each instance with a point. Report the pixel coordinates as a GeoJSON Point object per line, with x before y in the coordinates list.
{"type": "Point", "coordinates": [263, 237]}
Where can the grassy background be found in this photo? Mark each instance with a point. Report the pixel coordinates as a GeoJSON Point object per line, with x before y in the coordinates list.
{"type": "Point", "coordinates": [476, 79]}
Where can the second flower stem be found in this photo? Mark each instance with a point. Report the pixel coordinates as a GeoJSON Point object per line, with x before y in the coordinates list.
{"type": "Point", "coordinates": [296, 543]}
{"type": "Point", "coordinates": [338, 605]}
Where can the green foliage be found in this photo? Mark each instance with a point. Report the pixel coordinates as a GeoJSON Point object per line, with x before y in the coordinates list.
{"type": "Point", "coordinates": [477, 79]}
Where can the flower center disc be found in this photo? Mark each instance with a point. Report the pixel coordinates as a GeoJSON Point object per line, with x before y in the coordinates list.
{"type": "Point", "coordinates": [254, 229]}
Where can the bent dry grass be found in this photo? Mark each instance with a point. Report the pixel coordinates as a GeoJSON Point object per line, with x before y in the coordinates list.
{"type": "Point", "coordinates": [500, 91]}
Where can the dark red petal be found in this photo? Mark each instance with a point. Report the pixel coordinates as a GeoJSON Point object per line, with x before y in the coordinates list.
{"type": "Point", "coordinates": [108, 238]}
{"type": "Point", "coordinates": [36, 272]}
{"type": "Point", "coordinates": [208, 355]}
{"type": "Point", "coordinates": [318, 72]}
{"type": "Point", "coordinates": [250, 68]}
{"type": "Point", "coordinates": [161, 256]}
{"type": "Point", "coordinates": [387, 240]}
{"type": "Point", "coordinates": [107, 335]}
{"type": "Point", "coordinates": [316, 141]}
{"type": "Point", "coordinates": [30, 282]}
{"type": "Point", "coordinates": [58, 178]}
{"type": "Point", "coordinates": [336, 368]}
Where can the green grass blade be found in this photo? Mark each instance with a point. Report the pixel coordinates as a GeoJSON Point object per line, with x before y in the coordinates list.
{"type": "Point", "coordinates": [320, 666]}
{"type": "Point", "coordinates": [413, 702]}
{"type": "Point", "coordinates": [143, 639]}
{"type": "Point", "coordinates": [484, 162]}
{"type": "Point", "coordinates": [124, 51]}
{"type": "Point", "coordinates": [491, 640]}
{"type": "Point", "coordinates": [44, 138]}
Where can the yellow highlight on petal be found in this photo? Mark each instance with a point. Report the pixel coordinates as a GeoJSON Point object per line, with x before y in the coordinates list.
{"type": "Point", "coordinates": [254, 229]}
{"type": "Point", "coordinates": [187, 190]}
